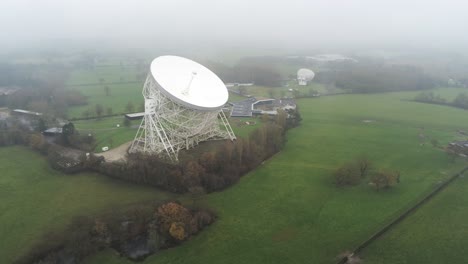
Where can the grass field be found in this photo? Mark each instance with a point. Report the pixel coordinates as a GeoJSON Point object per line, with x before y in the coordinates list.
{"type": "Point", "coordinates": [287, 211]}
{"type": "Point", "coordinates": [35, 198]}
{"type": "Point", "coordinates": [436, 233]}
{"type": "Point", "coordinates": [106, 131]}
{"type": "Point", "coordinates": [120, 94]}
{"type": "Point", "coordinates": [109, 74]}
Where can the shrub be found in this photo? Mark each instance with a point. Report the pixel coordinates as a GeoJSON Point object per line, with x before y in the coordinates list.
{"type": "Point", "coordinates": [384, 179]}
{"type": "Point", "coordinates": [347, 174]}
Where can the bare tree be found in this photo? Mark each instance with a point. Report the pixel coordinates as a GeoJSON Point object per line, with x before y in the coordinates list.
{"type": "Point", "coordinates": [99, 110]}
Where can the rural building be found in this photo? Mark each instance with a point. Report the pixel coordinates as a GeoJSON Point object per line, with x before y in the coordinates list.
{"type": "Point", "coordinates": [26, 113]}
{"type": "Point", "coordinates": [252, 106]}
{"type": "Point", "coordinates": [135, 116]}
{"type": "Point", "coordinates": [460, 147]}
{"type": "Point", "coordinates": [330, 58]}
{"type": "Point", "coordinates": [53, 131]}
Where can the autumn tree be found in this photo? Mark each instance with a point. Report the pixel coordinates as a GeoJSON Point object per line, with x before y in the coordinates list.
{"type": "Point", "coordinates": [192, 172]}
{"type": "Point", "coordinates": [384, 179]}
{"type": "Point", "coordinates": [173, 219]}
{"type": "Point", "coordinates": [364, 165]}
{"type": "Point", "coordinates": [36, 141]}
{"type": "Point", "coordinates": [281, 118]}
{"type": "Point", "coordinates": [347, 174]}
{"type": "Point", "coordinates": [177, 231]}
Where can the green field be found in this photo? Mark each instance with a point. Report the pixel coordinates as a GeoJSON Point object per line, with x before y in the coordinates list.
{"type": "Point", "coordinates": [288, 211]}
{"type": "Point", "coordinates": [106, 132]}
{"type": "Point", "coordinates": [436, 233]}
{"type": "Point", "coordinates": [120, 94]}
{"type": "Point", "coordinates": [36, 198]}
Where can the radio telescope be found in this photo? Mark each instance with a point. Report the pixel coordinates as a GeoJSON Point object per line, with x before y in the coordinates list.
{"type": "Point", "coordinates": [304, 76]}
{"type": "Point", "coordinates": [183, 107]}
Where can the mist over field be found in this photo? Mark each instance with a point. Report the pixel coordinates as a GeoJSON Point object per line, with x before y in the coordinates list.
{"type": "Point", "coordinates": [289, 26]}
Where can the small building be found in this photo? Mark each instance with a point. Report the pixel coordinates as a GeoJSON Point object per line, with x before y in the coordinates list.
{"type": "Point", "coordinates": [21, 112]}
{"type": "Point", "coordinates": [135, 116]}
{"type": "Point", "coordinates": [459, 147]}
{"type": "Point", "coordinates": [252, 106]}
{"type": "Point", "coordinates": [53, 131]}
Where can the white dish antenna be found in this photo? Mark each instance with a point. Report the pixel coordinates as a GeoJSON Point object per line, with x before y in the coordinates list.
{"type": "Point", "coordinates": [183, 107]}
{"type": "Point", "coordinates": [189, 83]}
{"type": "Point", "coordinates": [305, 74]}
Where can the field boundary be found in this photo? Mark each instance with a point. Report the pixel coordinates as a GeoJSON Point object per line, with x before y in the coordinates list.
{"type": "Point", "coordinates": [103, 83]}
{"type": "Point", "coordinates": [403, 215]}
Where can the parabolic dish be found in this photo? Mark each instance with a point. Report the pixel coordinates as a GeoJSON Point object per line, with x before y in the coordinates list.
{"type": "Point", "coordinates": [305, 74]}
{"type": "Point", "coordinates": [189, 83]}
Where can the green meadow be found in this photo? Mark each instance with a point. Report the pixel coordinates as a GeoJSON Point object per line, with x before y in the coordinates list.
{"type": "Point", "coordinates": [287, 210]}
{"type": "Point", "coordinates": [36, 198]}
{"type": "Point", "coordinates": [436, 233]}
{"type": "Point", "coordinates": [124, 88]}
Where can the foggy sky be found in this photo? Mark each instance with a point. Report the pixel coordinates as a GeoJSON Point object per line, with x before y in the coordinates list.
{"type": "Point", "coordinates": [297, 23]}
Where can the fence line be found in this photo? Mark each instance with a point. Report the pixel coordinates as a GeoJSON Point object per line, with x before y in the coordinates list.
{"type": "Point", "coordinates": [405, 214]}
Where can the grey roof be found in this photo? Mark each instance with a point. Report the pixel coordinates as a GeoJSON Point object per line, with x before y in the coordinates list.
{"type": "Point", "coordinates": [243, 108]}
{"type": "Point", "coordinates": [460, 143]}
{"type": "Point", "coordinates": [21, 111]}
{"type": "Point", "coordinates": [53, 130]}
{"type": "Point", "coordinates": [246, 108]}
{"type": "Point", "coordinates": [134, 115]}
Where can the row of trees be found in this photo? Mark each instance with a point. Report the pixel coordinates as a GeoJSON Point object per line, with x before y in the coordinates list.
{"type": "Point", "coordinates": [366, 77]}
{"type": "Point", "coordinates": [353, 173]}
{"type": "Point", "coordinates": [209, 171]}
{"type": "Point", "coordinates": [258, 70]}
{"type": "Point", "coordinates": [99, 110]}
{"type": "Point", "coordinates": [154, 227]}
{"type": "Point", "coordinates": [460, 101]}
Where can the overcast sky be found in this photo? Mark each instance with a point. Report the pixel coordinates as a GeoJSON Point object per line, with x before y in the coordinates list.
{"type": "Point", "coordinates": [367, 23]}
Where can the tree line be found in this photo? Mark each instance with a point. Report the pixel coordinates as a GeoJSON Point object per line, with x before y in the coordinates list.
{"type": "Point", "coordinates": [367, 77]}
{"type": "Point", "coordinates": [151, 227]}
{"type": "Point", "coordinates": [356, 171]}
{"type": "Point", "coordinates": [258, 70]}
{"type": "Point", "coordinates": [460, 101]}
{"type": "Point", "coordinates": [212, 170]}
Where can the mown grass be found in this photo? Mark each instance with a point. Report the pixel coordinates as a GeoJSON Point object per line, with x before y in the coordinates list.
{"type": "Point", "coordinates": [106, 132]}
{"type": "Point", "coordinates": [436, 233]}
{"type": "Point", "coordinates": [120, 93]}
{"type": "Point", "coordinates": [35, 199]}
{"type": "Point", "coordinates": [288, 210]}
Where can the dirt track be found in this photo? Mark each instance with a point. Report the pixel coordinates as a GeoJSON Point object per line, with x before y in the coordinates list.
{"type": "Point", "coordinates": [115, 154]}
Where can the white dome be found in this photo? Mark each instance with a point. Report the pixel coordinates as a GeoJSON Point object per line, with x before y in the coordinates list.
{"type": "Point", "coordinates": [305, 74]}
